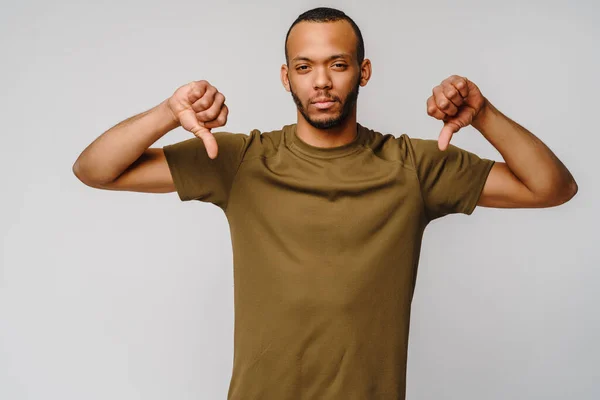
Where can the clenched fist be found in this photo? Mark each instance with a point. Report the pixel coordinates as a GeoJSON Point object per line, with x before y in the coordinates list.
{"type": "Point", "coordinates": [199, 107]}
{"type": "Point", "coordinates": [457, 101]}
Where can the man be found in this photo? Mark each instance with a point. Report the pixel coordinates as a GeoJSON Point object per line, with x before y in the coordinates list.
{"type": "Point", "coordinates": [326, 215]}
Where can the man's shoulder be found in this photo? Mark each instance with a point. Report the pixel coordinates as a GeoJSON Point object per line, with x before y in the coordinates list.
{"type": "Point", "coordinates": [271, 139]}
{"type": "Point", "coordinates": [256, 143]}
{"type": "Point", "coordinates": [389, 146]}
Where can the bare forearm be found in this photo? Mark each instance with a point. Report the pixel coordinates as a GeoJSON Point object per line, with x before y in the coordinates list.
{"type": "Point", "coordinates": [115, 150]}
{"type": "Point", "coordinates": [528, 157]}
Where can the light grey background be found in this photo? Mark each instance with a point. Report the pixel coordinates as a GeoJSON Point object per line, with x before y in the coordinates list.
{"type": "Point", "coordinates": [114, 295]}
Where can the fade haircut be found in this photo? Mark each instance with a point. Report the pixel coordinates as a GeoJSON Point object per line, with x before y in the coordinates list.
{"type": "Point", "coordinates": [326, 14]}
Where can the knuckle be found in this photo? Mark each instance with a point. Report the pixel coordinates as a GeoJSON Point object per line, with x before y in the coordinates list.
{"type": "Point", "coordinates": [211, 89]}
{"type": "Point", "coordinates": [212, 114]}
{"type": "Point", "coordinates": [207, 115]}
{"type": "Point", "coordinates": [195, 90]}
{"type": "Point", "coordinates": [202, 104]}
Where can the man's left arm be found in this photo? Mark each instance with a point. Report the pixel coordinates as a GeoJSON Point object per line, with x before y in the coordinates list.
{"type": "Point", "coordinates": [531, 176]}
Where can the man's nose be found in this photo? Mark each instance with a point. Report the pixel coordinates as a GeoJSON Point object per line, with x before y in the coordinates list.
{"type": "Point", "coordinates": [322, 78]}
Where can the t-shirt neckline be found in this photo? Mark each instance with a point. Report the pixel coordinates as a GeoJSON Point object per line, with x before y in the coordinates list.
{"type": "Point", "coordinates": [295, 143]}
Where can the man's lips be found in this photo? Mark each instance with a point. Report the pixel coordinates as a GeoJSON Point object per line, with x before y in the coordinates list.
{"type": "Point", "coordinates": [323, 103]}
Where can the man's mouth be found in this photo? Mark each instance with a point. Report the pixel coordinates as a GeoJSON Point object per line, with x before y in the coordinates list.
{"type": "Point", "coordinates": [322, 104]}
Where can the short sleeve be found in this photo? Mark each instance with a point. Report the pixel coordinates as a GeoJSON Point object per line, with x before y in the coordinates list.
{"type": "Point", "coordinates": [198, 177]}
{"type": "Point", "coordinates": [451, 181]}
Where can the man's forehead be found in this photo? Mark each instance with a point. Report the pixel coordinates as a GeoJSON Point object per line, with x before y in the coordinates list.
{"type": "Point", "coordinates": [321, 39]}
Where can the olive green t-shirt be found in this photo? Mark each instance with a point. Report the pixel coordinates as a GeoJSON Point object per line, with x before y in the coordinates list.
{"type": "Point", "coordinates": [326, 244]}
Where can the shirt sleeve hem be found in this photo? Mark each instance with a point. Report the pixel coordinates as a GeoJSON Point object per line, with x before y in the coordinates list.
{"type": "Point", "coordinates": [480, 184]}
{"type": "Point", "coordinates": [177, 178]}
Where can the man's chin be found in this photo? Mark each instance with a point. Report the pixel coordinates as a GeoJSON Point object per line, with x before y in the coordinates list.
{"type": "Point", "coordinates": [325, 123]}
{"type": "Point", "coordinates": [321, 116]}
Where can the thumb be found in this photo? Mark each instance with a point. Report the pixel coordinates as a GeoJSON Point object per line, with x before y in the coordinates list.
{"type": "Point", "coordinates": [190, 123]}
{"type": "Point", "coordinates": [210, 143]}
{"type": "Point", "coordinates": [448, 130]}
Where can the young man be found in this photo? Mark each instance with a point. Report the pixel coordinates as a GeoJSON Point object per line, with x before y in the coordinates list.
{"type": "Point", "coordinates": [326, 215]}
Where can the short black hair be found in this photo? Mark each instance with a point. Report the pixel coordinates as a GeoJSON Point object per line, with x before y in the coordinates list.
{"type": "Point", "coordinates": [326, 14]}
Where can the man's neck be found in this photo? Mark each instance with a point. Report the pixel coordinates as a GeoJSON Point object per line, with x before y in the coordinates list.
{"type": "Point", "coordinates": [333, 137]}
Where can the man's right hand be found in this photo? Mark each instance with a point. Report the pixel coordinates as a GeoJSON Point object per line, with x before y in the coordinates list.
{"type": "Point", "coordinates": [199, 107]}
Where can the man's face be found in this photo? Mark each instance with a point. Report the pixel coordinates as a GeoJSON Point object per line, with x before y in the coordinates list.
{"type": "Point", "coordinates": [323, 66]}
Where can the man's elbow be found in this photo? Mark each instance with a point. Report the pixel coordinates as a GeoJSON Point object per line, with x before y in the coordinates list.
{"type": "Point", "coordinates": [78, 173]}
{"type": "Point", "coordinates": [566, 193]}
{"type": "Point", "coordinates": [85, 178]}
{"type": "Point", "coordinates": [572, 190]}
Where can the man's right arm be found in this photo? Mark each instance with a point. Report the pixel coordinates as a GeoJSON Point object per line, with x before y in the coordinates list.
{"type": "Point", "coordinates": [121, 158]}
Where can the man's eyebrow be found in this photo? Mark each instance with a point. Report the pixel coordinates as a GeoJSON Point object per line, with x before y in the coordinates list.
{"type": "Point", "coordinates": [341, 55]}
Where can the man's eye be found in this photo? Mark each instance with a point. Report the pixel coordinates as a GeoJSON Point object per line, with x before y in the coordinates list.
{"type": "Point", "coordinates": [302, 66]}
{"type": "Point", "coordinates": [340, 65]}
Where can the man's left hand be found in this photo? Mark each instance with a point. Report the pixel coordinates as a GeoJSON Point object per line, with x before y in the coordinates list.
{"type": "Point", "coordinates": [457, 101]}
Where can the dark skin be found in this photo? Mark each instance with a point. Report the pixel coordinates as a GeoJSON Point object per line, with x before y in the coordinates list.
{"type": "Point", "coordinates": [322, 64]}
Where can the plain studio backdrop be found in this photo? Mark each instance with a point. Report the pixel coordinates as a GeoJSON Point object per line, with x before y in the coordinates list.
{"type": "Point", "coordinates": [116, 295]}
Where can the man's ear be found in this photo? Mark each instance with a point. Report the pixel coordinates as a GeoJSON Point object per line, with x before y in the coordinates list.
{"type": "Point", "coordinates": [284, 77]}
{"type": "Point", "coordinates": [365, 72]}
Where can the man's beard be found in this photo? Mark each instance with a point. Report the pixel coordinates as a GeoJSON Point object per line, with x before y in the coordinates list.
{"type": "Point", "coordinates": [334, 121]}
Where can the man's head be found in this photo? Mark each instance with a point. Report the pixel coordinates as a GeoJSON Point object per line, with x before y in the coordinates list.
{"type": "Point", "coordinates": [324, 53]}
